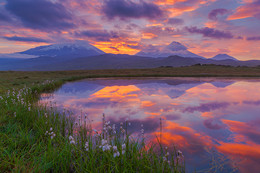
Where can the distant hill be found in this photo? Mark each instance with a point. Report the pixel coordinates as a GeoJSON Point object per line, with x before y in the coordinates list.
{"type": "Point", "coordinates": [175, 48]}
{"type": "Point", "coordinates": [223, 57]}
{"type": "Point", "coordinates": [112, 61]}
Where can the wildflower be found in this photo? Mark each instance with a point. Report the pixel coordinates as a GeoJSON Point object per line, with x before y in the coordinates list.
{"type": "Point", "coordinates": [123, 151]}
{"type": "Point", "coordinates": [72, 141]}
{"type": "Point", "coordinates": [142, 131]}
{"type": "Point", "coordinates": [164, 159]}
{"type": "Point", "coordinates": [51, 129]}
{"type": "Point", "coordinates": [167, 154]}
{"type": "Point", "coordinates": [116, 154]}
{"type": "Point", "coordinates": [53, 135]}
{"type": "Point", "coordinates": [46, 132]}
{"type": "Point", "coordinates": [106, 147]}
{"type": "Point", "coordinates": [14, 114]}
{"type": "Point", "coordinates": [86, 146]}
{"type": "Point", "coordinates": [123, 146]}
{"type": "Point", "coordinates": [115, 148]}
{"type": "Point", "coordinates": [103, 141]}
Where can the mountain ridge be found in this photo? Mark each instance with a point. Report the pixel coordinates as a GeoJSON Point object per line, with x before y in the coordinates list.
{"type": "Point", "coordinates": [223, 57]}
{"type": "Point", "coordinates": [174, 48]}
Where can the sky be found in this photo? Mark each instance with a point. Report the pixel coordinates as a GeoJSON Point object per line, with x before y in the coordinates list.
{"type": "Point", "coordinates": [206, 27]}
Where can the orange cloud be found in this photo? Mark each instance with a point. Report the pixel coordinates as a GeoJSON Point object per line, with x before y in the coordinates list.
{"type": "Point", "coordinates": [246, 157]}
{"type": "Point", "coordinates": [118, 46]}
{"type": "Point", "coordinates": [184, 137]}
{"type": "Point", "coordinates": [245, 11]}
{"type": "Point", "coordinates": [147, 104]}
{"type": "Point", "coordinates": [148, 35]}
{"type": "Point", "coordinates": [116, 92]}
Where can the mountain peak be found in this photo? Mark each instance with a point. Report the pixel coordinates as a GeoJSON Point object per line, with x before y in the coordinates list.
{"type": "Point", "coordinates": [77, 48]}
{"type": "Point", "coordinates": [174, 48]}
{"type": "Point", "coordinates": [223, 57]}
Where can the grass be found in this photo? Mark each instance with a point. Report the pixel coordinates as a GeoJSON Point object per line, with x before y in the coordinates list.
{"type": "Point", "coordinates": [37, 139]}
{"type": "Point", "coordinates": [13, 79]}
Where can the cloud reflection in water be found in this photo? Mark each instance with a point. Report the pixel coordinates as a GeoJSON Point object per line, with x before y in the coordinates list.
{"type": "Point", "coordinates": [199, 115]}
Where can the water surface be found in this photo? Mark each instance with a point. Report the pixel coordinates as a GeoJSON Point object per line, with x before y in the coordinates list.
{"type": "Point", "coordinates": [215, 122]}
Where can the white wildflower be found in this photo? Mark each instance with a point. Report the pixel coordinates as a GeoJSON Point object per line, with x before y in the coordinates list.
{"type": "Point", "coordinates": [116, 154]}
{"type": "Point", "coordinates": [115, 148]}
{"type": "Point", "coordinates": [167, 154]}
{"type": "Point", "coordinates": [123, 146]}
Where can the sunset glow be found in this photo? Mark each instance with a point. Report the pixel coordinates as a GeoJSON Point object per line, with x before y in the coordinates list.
{"type": "Point", "coordinates": [128, 26]}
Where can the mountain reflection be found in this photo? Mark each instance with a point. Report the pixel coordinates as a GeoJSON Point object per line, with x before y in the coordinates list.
{"type": "Point", "coordinates": [207, 118]}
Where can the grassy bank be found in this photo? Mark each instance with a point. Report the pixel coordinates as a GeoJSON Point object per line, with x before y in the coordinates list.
{"type": "Point", "coordinates": [37, 139]}
{"type": "Point", "coordinates": [12, 79]}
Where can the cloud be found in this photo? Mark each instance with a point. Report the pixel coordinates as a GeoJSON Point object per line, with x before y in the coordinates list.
{"type": "Point", "coordinates": [99, 35]}
{"type": "Point", "coordinates": [40, 14]}
{"type": "Point", "coordinates": [124, 9]}
{"type": "Point", "coordinates": [175, 21]}
{"type": "Point", "coordinates": [257, 102]}
{"type": "Point", "coordinates": [251, 9]}
{"type": "Point", "coordinates": [26, 39]}
{"type": "Point", "coordinates": [4, 17]}
{"type": "Point", "coordinates": [214, 13]}
{"type": "Point", "coordinates": [256, 38]}
{"type": "Point", "coordinates": [210, 32]}
{"type": "Point", "coordinates": [213, 124]}
{"type": "Point", "coordinates": [207, 107]}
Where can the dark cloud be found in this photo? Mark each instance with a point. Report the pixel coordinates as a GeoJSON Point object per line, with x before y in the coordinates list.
{"type": "Point", "coordinates": [257, 38]}
{"type": "Point", "coordinates": [128, 9]}
{"type": "Point", "coordinates": [213, 124]}
{"type": "Point", "coordinates": [207, 107]}
{"type": "Point", "coordinates": [257, 102]}
{"type": "Point", "coordinates": [25, 39]}
{"type": "Point", "coordinates": [214, 13]}
{"type": "Point", "coordinates": [4, 17]}
{"type": "Point", "coordinates": [99, 35]}
{"type": "Point", "coordinates": [40, 14]}
{"type": "Point", "coordinates": [175, 21]}
{"type": "Point", "coordinates": [114, 48]}
{"type": "Point", "coordinates": [210, 32]}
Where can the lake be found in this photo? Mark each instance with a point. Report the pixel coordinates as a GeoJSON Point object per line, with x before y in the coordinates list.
{"type": "Point", "coordinates": [215, 122]}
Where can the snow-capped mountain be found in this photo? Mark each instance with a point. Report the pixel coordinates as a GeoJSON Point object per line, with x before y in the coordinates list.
{"type": "Point", "coordinates": [223, 57]}
{"type": "Point", "coordinates": [175, 48]}
{"type": "Point", "coordinates": [17, 56]}
{"type": "Point", "coordinates": [75, 49]}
